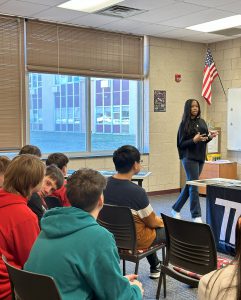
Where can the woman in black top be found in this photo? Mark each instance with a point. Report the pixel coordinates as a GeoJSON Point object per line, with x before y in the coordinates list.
{"type": "Point", "coordinates": [192, 139]}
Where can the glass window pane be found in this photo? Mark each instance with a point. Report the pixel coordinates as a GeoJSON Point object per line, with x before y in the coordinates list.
{"type": "Point", "coordinates": [57, 112]}
{"type": "Point", "coordinates": [115, 114]}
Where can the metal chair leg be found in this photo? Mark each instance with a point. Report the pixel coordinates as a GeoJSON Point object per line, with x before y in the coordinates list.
{"type": "Point", "coordinates": [164, 285]}
{"type": "Point", "coordinates": [137, 267]}
{"type": "Point", "coordinates": [124, 267]}
{"type": "Point", "coordinates": [159, 287]}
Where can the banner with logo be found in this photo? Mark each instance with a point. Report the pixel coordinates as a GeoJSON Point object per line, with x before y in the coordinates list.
{"type": "Point", "coordinates": [223, 209]}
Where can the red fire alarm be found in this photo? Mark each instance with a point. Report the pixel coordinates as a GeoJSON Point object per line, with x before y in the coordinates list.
{"type": "Point", "coordinates": [178, 77]}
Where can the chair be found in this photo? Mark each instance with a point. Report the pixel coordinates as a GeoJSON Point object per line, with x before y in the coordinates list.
{"type": "Point", "coordinates": [190, 252]}
{"type": "Point", "coordinates": [120, 222]}
{"type": "Point", "coordinates": [28, 286]}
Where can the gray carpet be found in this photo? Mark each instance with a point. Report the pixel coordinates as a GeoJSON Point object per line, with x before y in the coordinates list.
{"type": "Point", "coordinates": [175, 289]}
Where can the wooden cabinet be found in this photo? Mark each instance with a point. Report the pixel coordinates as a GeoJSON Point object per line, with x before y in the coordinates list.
{"type": "Point", "coordinates": [218, 170]}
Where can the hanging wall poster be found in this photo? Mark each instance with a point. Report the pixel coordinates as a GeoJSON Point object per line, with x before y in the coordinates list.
{"type": "Point", "coordinates": [159, 101]}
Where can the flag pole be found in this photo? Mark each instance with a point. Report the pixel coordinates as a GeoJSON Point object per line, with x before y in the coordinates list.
{"type": "Point", "coordinates": [222, 85]}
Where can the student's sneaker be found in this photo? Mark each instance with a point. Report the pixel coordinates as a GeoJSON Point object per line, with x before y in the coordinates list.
{"type": "Point", "coordinates": [155, 272]}
{"type": "Point", "coordinates": [197, 220]}
{"type": "Point", "coordinates": [176, 214]}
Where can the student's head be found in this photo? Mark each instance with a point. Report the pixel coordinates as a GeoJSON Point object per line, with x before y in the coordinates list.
{"type": "Point", "coordinates": [30, 149]}
{"type": "Point", "coordinates": [24, 175]}
{"type": "Point", "coordinates": [127, 158]}
{"type": "Point", "coordinates": [53, 180]}
{"type": "Point", "coordinates": [58, 159]}
{"type": "Point", "coordinates": [191, 109]}
{"type": "Point", "coordinates": [4, 162]}
{"type": "Point", "coordinates": [85, 189]}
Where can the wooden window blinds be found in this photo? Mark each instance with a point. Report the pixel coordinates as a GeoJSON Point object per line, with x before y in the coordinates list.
{"type": "Point", "coordinates": [11, 83]}
{"type": "Point", "coordinates": [63, 49]}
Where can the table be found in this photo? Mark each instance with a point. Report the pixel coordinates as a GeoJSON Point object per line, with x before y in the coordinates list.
{"type": "Point", "coordinates": [107, 173]}
{"type": "Point", "coordinates": [137, 177]}
{"type": "Point", "coordinates": [223, 207]}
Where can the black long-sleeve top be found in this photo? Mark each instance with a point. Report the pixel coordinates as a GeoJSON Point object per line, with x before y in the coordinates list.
{"type": "Point", "coordinates": [185, 144]}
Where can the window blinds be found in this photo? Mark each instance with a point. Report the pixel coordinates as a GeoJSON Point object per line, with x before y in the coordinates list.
{"type": "Point", "coordinates": [63, 49]}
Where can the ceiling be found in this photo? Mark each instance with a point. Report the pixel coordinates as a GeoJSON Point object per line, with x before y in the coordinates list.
{"type": "Point", "coordinates": [161, 18]}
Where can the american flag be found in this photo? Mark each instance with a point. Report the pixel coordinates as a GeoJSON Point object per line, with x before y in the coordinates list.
{"type": "Point", "coordinates": [209, 74]}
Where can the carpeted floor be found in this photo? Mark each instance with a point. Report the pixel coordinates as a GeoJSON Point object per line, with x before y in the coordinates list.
{"type": "Point", "coordinates": [175, 289]}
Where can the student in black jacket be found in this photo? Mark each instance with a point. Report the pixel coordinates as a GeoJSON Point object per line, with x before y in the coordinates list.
{"type": "Point", "coordinates": [53, 180]}
{"type": "Point", "coordinates": [192, 138]}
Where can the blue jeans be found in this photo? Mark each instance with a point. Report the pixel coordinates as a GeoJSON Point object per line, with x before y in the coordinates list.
{"type": "Point", "coordinates": [192, 169]}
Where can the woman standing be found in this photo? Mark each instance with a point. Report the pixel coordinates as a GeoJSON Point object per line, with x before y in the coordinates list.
{"type": "Point", "coordinates": [18, 224]}
{"type": "Point", "coordinates": [192, 138]}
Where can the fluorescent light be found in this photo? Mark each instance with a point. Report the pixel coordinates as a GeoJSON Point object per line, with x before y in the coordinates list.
{"type": "Point", "coordinates": [219, 24]}
{"type": "Point", "coordinates": [88, 5]}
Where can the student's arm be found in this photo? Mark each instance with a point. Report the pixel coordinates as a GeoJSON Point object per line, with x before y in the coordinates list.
{"type": "Point", "coordinates": [106, 279]}
{"type": "Point", "coordinates": [153, 221]}
{"type": "Point", "coordinates": [182, 140]}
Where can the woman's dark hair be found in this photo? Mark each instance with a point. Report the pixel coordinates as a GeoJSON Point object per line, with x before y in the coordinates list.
{"type": "Point", "coordinates": [125, 157]}
{"type": "Point", "coordinates": [186, 117]}
{"type": "Point", "coordinates": [30, 149]}
{"type": "Point", "coordinates": [236, 261]}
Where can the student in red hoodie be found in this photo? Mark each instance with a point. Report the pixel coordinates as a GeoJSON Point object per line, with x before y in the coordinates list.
{"type": "Point", "coordinates": [18, 224]}
{"type": "Point", "coordinates": [61, 161]}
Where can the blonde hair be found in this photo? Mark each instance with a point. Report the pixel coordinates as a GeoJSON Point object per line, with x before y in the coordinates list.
{"type": "Point", "coordinates": [23, 174]}
{"type": "Point", "coordinates": [4, 162]}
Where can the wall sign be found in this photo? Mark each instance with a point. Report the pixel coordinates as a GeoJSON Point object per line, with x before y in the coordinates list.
{"type": "Point", "coordinates": [159, 101]}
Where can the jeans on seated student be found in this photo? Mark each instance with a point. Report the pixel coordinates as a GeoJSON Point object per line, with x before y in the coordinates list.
{"type": "Point", "coordinates": [80, 254]}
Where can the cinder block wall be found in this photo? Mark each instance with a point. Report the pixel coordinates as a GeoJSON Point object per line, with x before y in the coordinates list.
{"type": "Point", "coordinates": [227, 56]}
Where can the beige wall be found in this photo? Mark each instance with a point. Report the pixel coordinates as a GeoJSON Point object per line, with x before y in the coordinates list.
{"type": "Point", "coordinates": [227, 56]}
{"type": "Point", "coordinates": [167, 57]}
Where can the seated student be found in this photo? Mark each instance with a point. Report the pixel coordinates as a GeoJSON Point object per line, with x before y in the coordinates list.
{"type": "Point", "coordinates": [224, 283]}
{"type": "Point", "coordinates": [120, 190]}
{"type": "Point", "coordinates": [53, 180]}
{"type": "Point", "coordinates": [61, 161]}
{"type": "Point", "coordinates": [30, 149]}
{"type": "Point", "coordinates": [4, 162]}
{"type": "Point", "coordinates": [79, 253]}
{"type": "Point", "coordinates": [18, 224]}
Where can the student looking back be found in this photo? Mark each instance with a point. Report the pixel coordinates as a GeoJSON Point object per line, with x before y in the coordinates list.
{"type": "Point", "coordinates": [18, 224]}
{"type": "Point", "coordinates": [61, 161]}
{"type": "Point", "coordinates": [79, 253]}
{"type": "Point", "coordinates": [121, 191]}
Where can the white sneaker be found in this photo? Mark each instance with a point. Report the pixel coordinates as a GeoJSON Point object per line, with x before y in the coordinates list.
{"type": "Point", "coordinates": [197, 220]}
{"type": "Point", "coordinates": [176, 214]}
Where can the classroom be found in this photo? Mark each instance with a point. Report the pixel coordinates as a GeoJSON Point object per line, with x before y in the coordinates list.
{"type": "Point", "coordinates": [86, 82]}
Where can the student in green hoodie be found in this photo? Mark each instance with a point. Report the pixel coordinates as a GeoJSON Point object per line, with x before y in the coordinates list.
{"type": "Point", "coordinates": [80, 254]}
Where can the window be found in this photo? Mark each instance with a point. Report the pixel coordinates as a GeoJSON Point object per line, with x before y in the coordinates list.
{"type": "Point", "coordinates": [59, 119]}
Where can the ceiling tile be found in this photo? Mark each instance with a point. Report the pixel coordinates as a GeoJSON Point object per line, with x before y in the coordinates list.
{"type": "Point", "coordinates": [93, 20]}
{"type": "Point", "coordinates": [58, 14]}
{"type": "Point", "coordinates": [148, 5]}
{"type": "Point", "coordinates": [210, 3]}
{"type": "Point", "coordinates": [168, 12]}
{"type": "Point", "coordinates": [197, 18]}
{"type": "Point", "coordinates": [20, 8]}
{"type": "Point", "coordinates": [45, 2]}
{"type": "Point", "coordinates": [234, 7]}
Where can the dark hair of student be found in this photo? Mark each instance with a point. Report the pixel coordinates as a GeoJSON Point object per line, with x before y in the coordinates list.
{"type": "Point", "coordinates": [186, 117]}
{"type": "Point", "coordinates": [55, 174]}
{"type": "Point", "coordinates": [84, 188]}
{"type": "Point", "coordinates": [4, 162]}
{"type": "Point", "coordinates": [30, 149]}
{"type": "Point", "coordinates": [58, 159]}
{"type": "Point", "coordinates": [24, 173]}
{"type": "Point", "coordinates": [236, 261]}
{"type": "Point", "coordinates": [125, 157]}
